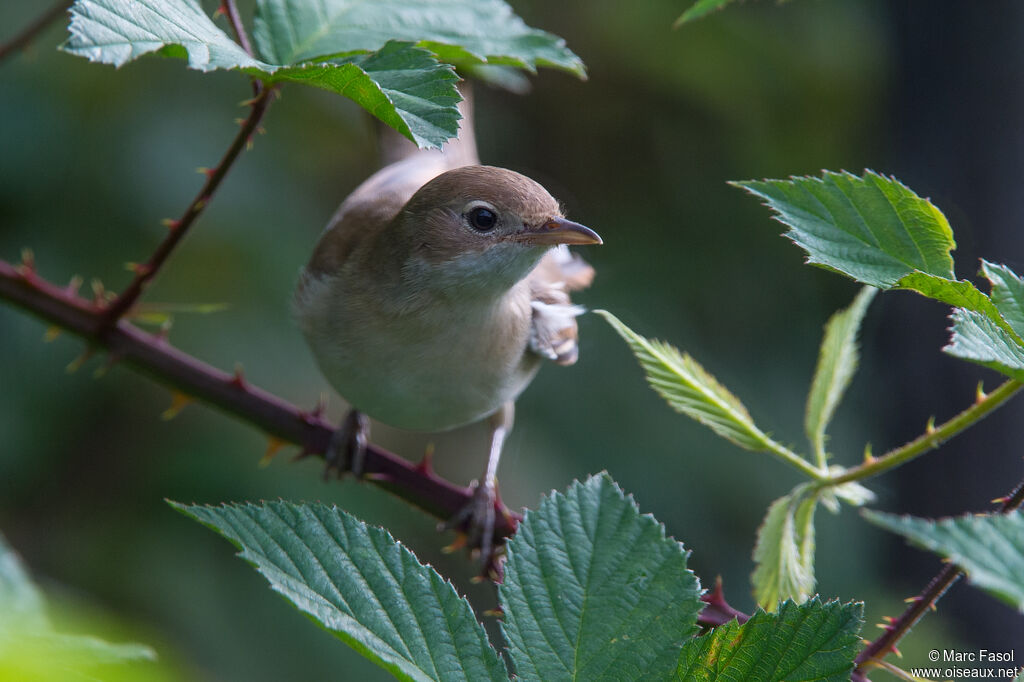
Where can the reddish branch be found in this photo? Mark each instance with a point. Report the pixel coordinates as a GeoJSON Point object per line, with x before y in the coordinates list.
{"type": "Point", "coordinates": [153, 355]}
{"type": "Point", "coordinates": [29, 33]}
{"type": "Point", "coordinates": [177, 229]}
{"type": "Point", "coordinates": [921, 604]}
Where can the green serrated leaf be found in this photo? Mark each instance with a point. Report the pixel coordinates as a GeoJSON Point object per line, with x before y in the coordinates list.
{"type": "Point", "coordinates": [837, 362]}
{"type": "Point", "coordinates": [699, 9]}
{"type": "Point", "coordinates": [976, 338]}
{"type": "Point", "coordinates": [457, 31]}
{"type": "Point", "coordinates": [594, 590]}
{"type": "Point", "coordinates": [871, 228]}
{"type": "Point", "coordinates": [689, 389]}
{"type": "Point", "coordinates": [784, 552]}
{"type": "Point", "coordinates": [402, 85]}
{"type": "Point", "coordinates": [876, 230]}
{"type": "Point", "coordinates": [811, 642]}
{"type": "Point", "coordinates": [1007, 293]}
{"type": "Point", "coordinates": [360, 584]}
{"type": "Point", "coordinates": [988, 547]}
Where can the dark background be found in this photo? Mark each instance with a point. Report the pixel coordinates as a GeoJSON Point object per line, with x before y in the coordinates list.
{"type": "Point", "coordinates": [91, 159]}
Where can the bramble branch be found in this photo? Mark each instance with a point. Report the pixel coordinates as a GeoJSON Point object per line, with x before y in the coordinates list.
{"type": "Point", "coordinates": [28, 34]}
{"type": "Point", "coordinates": [153, 355]}
{"type": "Point", "coordinates": [897, 628]}
{"type": "Point", "coordinates": [144, 272]}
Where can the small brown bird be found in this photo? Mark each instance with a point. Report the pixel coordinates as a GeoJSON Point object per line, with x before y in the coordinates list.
{"type": "Point", "coordinates": [434, 294]}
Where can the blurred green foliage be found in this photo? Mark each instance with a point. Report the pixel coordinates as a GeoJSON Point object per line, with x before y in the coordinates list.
{"type": "Point", "coordinates": [92, 160]}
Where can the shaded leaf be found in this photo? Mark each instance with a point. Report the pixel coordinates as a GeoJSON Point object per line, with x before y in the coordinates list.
{"type": "Point", "coordinates": [689, 389]}
{"type": "Point", "coordinates": [976, 338]}
{"type": "Point", "coordinates": [811, 642]}
{"type": "Point", "coordinates": [360, 584]}
{"type": "Point", "coordinates": [784, 552]}
{"type": "Point", "coordinates": [837, 362]}
{"type": "Point", "coordinates": [457, 31]}
{"type": "Point", "coordinates": [699, 9]}
{"type": "Point", "coordinates": [402, 85]}
{"type": "Point", "coordinates": [988, 547]}
{"type": "Point", "coordinates": [594, 590]}
{"type": "Point", "coordinates": [1007, 293]}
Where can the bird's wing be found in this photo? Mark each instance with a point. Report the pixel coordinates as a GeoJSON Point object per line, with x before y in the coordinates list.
{"type": "Point", "coordinates": [554, 334]}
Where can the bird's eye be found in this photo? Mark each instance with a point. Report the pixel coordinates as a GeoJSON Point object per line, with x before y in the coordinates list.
{"type": "Point", "coordinates": [482, 219]}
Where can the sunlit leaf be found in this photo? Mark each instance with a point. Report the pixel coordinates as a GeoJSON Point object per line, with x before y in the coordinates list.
{"type": "Point", "coordinates": [810, 642]}
{"type": "Point", "coordinates": [701, 8]}
{"type": "Point", "coordinates": [689, 389]}
{"type": "Point", "coordinates": [837, 362]}
{"type": "Point", "coordinates": [784, 553]}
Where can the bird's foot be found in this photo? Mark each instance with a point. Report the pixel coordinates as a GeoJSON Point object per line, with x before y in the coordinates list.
{"type": "Point", "coordinates": [347, 450]}
{"type": "Point", "coordinates": [475, 524]}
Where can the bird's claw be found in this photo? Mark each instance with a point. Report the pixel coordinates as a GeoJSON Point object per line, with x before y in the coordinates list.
{"type": "Point", "coordinates": [475, 524]}
{"type": "Point", "coordinates": [346, 451]}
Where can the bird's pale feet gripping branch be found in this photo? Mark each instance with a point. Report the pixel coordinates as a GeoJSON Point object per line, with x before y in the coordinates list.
{"type": "Point", "coordinates": [476, 519]}
{"type": "Point", "coordinates": [347, 449]}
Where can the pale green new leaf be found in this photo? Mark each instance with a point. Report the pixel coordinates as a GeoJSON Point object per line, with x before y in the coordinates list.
{"type": "Point", "coordinates": [594, 590]}
{"type": "Point", "coordinates": [457, 31]}
{"type": "Point", "coordinates": [851, 492]}
{"type": "Point", "coordinates": [399, 83]}
{"type": "Point", "coordinates": [689, 389]}
{"type": "Point", "coordinates": [29, 644]}
{"type": "Point", "coordinates": [837, 362]}
{"type": "Point", "coordinates": [360, 584]}
{"type": "Point", "coordinates": [784, 552]}
{"type": "Point", "coordinates": [988, 547]}
{"type": "Point", "coordinates": [699, 9]}
{"type": "Point", "coordinates": [810, 642]}
{"type": "Point", "coordinates": [976, 338]}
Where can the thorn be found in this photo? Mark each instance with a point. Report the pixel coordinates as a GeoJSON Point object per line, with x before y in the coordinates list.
{"type": "Point", "coordinates": [888, 619]}
{"type": "Point", "coordinates": [496, 612]}
{"type": "Point", "coordinates": [99, 294]}
{"type": "Point", "coordinates": [164, 332]}
{"type": "Point", "coordinates": [314, 415]}
{"type": "Point", "coordinates": [199, 206]}
{"type": "Point", "coordinates": [896, 651]}
{"type": "Point", "coordinates": [883, 626]}
{"type": "Point", "coordinates": [933, 607]}
{"type": "Point", "coordinates": [426, 465]}
{"type": "Point", "coordinates": [27, 267]}
{"type": "Point", "coordinates": [51, 333]}
{"type": "Point", "coordinates": [140, 269]}
{"type": "Point", "coordinates": [910, 600]}
{"type": "Point", "coordinates": [239, 121]}
{"type": "Point", "coordinates": [377, 476]}
{"type": "Point", "coordinates": [274, 445]}
{"type": "Point", "coordinates": [248, 102]}
{"type": "Point", "coordinates": [179, 401]}
{"type": "Point", "coordinates": [979, 393]}
{"type": "Point", "coordinates": [1000, 500]}
{"type": "Point", "coordinates": [248, 145]}
{"type": "Point", "coordinates": [868, 457]}
{"type": "Point", "coordinates": [77, 363]}
{"type": "Point", "coordinates": [458, 543]}
{"type": "Point", "coordinates": [238, 380]}
{"type": "Point", "coordinates": [72, 288]}
{"type": "Point", "coordinates": [171, 223]}
{"type": "Point", "coordinates": [930, 426]}
{"type": "Point", "coordinates": [102, 370]}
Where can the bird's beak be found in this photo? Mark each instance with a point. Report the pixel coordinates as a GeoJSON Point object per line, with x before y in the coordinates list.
{"type": "Point", "coordinates": [558, 231]}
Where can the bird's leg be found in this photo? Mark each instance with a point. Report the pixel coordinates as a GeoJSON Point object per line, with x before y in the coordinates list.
{"type": "Point", "coordinates": [477, 517]}
{"type": "Point", "coordinates": [347, 449]}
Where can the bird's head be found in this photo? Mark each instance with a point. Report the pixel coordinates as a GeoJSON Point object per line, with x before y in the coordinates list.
{"type": "Point", "coordinates": [482, 227]}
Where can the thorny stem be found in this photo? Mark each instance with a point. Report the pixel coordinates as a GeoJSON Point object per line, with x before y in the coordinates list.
{"type": "Point", "coordinates": [178, 228]}
{"type": "Point", "coordinates": [153, 355]}
{"type": "Point", "coordinates": [932, 438]}
{"type": "Point", "coordinates": [872, 655]}
{"type": "Point", "coordinates": [230, 10]}
{"type": "Point", "coordinates": [28, 34]}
